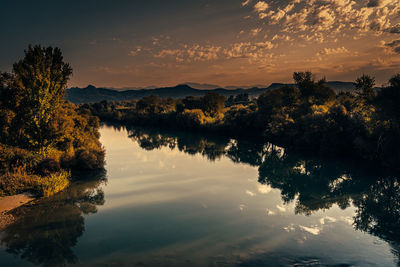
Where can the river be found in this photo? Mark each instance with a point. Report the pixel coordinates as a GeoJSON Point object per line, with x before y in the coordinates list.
{"type": "Point", "coordinates": [177, 199]}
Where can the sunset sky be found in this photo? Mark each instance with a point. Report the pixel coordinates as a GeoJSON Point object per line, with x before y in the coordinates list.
{"type": "Point", "coordinates": [225, 42]}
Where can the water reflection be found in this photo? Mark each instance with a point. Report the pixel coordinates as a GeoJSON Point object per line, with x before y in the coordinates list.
{"type": "Point", "coordinates": [312, 184]}
{"type": "Point", "coordinates": [45, 232]}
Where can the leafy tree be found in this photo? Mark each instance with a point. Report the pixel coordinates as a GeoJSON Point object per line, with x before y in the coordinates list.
{"type": "Point", "coordinates": [313, 92]}
{"type": "Point", "coordinates": [42, 77]}
{"type": "Point", "coordinates": [191, 102]}
{"type": "Point", "coordinates": [244, 97]}
{"type": "Point", "coordinates": [304, 81]}
{"type": "Point", "coordinates": [213, 103]}
{"type": "Point", "coordinates": [390, 96]}
{"type": "Point", "coordinates": [395, 81]}
{"type": "Point", "coordinates": [365, 86]}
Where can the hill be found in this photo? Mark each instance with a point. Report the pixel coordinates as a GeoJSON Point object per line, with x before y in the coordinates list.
{"type": "Point", "coordinates": [92, 94]}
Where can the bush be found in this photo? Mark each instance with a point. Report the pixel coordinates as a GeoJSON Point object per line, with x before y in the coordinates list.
{"type": "Point", "coordinates": [11, 157]}
{"type": "Point", "coordinates": [52, 183]}
{"type": "Point", "coordinates": [89, 159]}
{"type": "Point", "coordinates": [20, 181]}
{"type": "Point", "coordinates": [191, 118]}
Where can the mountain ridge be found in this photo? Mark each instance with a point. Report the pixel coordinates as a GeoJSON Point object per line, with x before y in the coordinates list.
{"type": "Point", "coordinates": [91, 94]}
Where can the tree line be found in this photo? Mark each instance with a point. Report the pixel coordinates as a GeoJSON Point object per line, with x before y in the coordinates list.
{"type": "Point", "coordinates": [308, 116]}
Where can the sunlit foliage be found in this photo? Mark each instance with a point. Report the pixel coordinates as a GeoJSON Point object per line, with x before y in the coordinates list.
{"type": "Point", "coordinates": [307, 116]}
{"type": "Point", "coordinates": [41, 133]}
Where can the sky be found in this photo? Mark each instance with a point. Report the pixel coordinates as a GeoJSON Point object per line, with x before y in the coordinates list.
{"type": "Point", "coordinates": [224, 42]}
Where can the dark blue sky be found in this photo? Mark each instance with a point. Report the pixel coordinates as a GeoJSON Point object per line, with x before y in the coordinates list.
{"type": "Point", "coordinates": [138, 43]}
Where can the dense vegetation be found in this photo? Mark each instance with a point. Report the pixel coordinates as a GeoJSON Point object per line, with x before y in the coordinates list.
{"type": "Point", "coordinates": [42, 136]}
{"type": "Point", "coordinates": [309, 116]}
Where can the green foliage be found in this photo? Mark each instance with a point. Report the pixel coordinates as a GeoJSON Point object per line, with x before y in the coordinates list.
{"type": "Point", "coordinates": [314, 92]}
{"type": "Point", "coordinates": [307, 116]}
{"type": "Point", "coordinates": [41, 133]}
{"type": "Point", "coordinates": [11, 157]}
{"type": "Point", "coordinates": [53, 183]}
{"type": "Point", "coordinates": [191, 118]}
{"type": "Point", "coordinates": [20, 181]}
{"type": "Point", "coordinates": [42, 77]}
{"type": "Point", "coordinates": [212, 104]}
{"type": "Point", "coordinates": [154, 104]}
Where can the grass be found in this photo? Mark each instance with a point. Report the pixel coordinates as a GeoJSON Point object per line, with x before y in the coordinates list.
{"type": "Point", "coordinates": [20, 181]}
{"type": "Point", "coordinates": [53, 183]}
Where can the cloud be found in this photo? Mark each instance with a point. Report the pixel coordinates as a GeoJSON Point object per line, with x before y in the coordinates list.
{"type": "Point", "coordinates": [264, 189]}
{"type": "Point", "coordinates": [255, 31]}
{"type": "Point", "coordinates": [258, 51]}
{"type": "Point", "coordinates": [135, 51]}
{"type": "Point", "coordinates": [312, 230]}
{"type": "Point", "coordinates": [261, 6]}
{"type": "Point", "coordinates": [191, 53]}
{"type": "Point", "coordinates": [333, 51]}
{"type": "Point", "coordinates": [270, 212]}
{"type": "Point", "coordinates": [280, 208]}
{"type": "Point", "coordinates": [245, 3]}
{"type": "Point", "coordinates": [250, 193]}
{"type": "Point", "coordinates": [166, 52]}
{"type": "Point", "coordinates": [255, 52]}
{"type": "Point", "coordinates": [331, 17]}
{"type": "Point", "coordinates": [395, 29]}
{"type": "Point", "coordinates": [327, 219]}
{"type": "Point", "coordinates": [374, 3]}
{"type": "Point", "coordinates": [393, 43]}
{"type": "Point", "coordinates": [290, 228]}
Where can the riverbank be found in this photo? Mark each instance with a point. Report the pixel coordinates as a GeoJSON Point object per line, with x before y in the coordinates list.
{"type": "Point", "coordinates": [309, 117]}
{"type": "Point", "coordinates": [9, 203]}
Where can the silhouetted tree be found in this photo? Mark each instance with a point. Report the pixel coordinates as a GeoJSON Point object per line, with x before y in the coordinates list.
{"type": "Point", "coordinates": [365, 86]}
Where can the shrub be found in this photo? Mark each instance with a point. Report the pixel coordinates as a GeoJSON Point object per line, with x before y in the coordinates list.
{"type": "Point", "coordinates": [20, 181]}
{"type": "Point", "coordinates": [191, 118]}
{"type": "Point", "coordinates": [89, 159]}
{"type": "Point", "coordinates": [11, 157]}
{"type": "Point", "coordinates": [52, 183]}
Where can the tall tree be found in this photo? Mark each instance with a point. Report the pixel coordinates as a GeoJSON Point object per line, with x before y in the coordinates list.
{"type": "Point", "coordinates": [42, 75]}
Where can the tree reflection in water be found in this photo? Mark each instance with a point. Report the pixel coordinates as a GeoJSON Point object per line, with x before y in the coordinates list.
{"type": "Point", "coordinates": [44, 233]}
{"type": "Point", "coordinates": [313, 184]}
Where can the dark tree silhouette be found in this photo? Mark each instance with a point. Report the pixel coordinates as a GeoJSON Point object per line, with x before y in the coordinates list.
{"type": "Point", "coordinates": [365, 86]}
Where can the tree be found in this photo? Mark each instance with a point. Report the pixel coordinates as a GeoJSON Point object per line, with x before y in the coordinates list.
{"type": "Point", "coordinates": [213, 103]}
{"type": "Point", "coordinates": [365, 86]}
{"type": "Point", "coordinates": [244, 97]}
{"type": "Point", "coordinates": [314, 92]}
{"type": "Point", "coordinates": [42, 77]}
{"type": "Point", "coordinates": [389, 97]}
{"type": "Point", "coordinates": [395, 81]}
{"type": "Point", "coordinates": [304, 81]}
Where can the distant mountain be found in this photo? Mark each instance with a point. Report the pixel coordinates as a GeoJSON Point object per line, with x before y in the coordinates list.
{"type": "Point", "coordinates": [129, 88]}
{"type": "Point", "coordinates": [232, 87]}
{"type": "Point", "coordinates": [205, 86]}
{"type": "Point", "coordinates": [92, 94]}
{"type": "Point", "coordinates": [202, 86]}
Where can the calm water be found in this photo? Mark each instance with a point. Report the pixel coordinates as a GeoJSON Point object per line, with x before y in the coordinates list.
{"type": "Point", "coordinates": [170, 199]}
